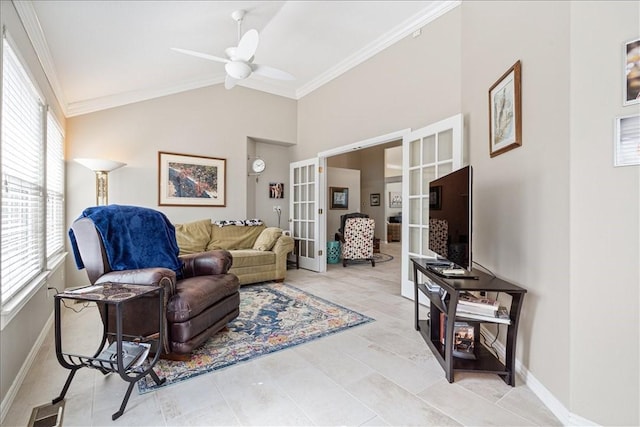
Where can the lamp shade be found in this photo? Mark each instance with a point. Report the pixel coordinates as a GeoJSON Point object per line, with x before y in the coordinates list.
{"type": "Point", "coordinates": [102, 165]}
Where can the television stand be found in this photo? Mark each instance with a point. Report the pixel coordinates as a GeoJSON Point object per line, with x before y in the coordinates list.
{"type": "Point", "coordinates": [443, 299]}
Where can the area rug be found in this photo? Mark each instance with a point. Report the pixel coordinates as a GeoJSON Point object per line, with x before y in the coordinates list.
{"type": "Point", "coordinates": [377, 257]}
{"type": "Point", "coordinates": [273, 316]}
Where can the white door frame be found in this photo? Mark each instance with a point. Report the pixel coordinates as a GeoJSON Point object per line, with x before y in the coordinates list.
{"type": "Point", "coordinates": [322, 156]}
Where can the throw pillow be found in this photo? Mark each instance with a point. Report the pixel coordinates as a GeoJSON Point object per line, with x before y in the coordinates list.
{"type": "Point", "coordinates": [267, 238]}
{"type": "Point", "coordinates": [193, 237]}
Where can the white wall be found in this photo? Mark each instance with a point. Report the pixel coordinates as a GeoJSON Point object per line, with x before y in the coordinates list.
{"type": "Point", "coordinates": [277, 170]}
{"type": "Point", "coordinates": [604, 221]}
{"type": "Point", "coordinates": [340, 177]}
{"type": "Point", "coordinates": [409, 85]}
{"type": "Point", "coordinates": [521, 209]}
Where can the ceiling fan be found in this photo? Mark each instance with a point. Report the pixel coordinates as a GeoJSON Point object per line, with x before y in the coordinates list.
{"type": "Point", "coordinates": [239, 62]}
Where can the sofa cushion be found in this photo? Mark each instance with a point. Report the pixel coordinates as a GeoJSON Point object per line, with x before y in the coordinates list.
{"type": "Point", "coordinates": [267, 238]}
{"type": "Point", "coordinates": [252, 258]}
{"type": "Point", "coordinates": [193, 237]}
{"type": "Point", "coordinates": [234, 237]}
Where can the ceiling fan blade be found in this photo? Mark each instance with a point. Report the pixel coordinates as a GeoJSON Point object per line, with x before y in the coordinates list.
{"type": "Point", "coordinates": [200, 55]}
{"type": "Point", "coordinates": [230, 82]}
{"type": "Point", "coordinates": [272, 73]}
{"type": "Point", "coordinates": [248, 45]}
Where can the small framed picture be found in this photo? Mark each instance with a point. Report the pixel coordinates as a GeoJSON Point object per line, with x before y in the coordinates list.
{"type": "Point", "coordinates": [631, 72]}
{"type": "Point", "coordinates": [395, 199]}
{"type": "Point", "coordinates": [374, 199]}
{"type": "Point", "coordinates": [627, 141]}
{"type": "Point", "coordinates": [339, 197]}
{"type": "Point", "coordinates": [276, 190]}
{"type": "Point", "coordinates": [505, 112]}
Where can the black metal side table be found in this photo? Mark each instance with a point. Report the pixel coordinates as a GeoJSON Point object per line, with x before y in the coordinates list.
{"type": "Point", "coordinates": [116, 295]}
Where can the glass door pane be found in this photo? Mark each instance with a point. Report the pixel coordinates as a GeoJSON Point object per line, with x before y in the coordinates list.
{"type": "Point", "coordinates": [304, 218]}
{"type": "Point", "coordinates": [430, 152]}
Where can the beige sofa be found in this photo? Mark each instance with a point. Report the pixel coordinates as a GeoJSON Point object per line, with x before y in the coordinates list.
{"type": "Point", "coordinates": [259, 252]}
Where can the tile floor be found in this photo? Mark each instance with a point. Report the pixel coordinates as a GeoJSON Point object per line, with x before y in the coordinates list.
{"type": "Point", "coordinates": [381, 373]}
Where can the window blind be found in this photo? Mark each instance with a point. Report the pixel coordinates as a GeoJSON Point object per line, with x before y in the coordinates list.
{"type": "Point", "coordinates": [55, 186]}
{"type": "Point", "coordinates": [22, 231]}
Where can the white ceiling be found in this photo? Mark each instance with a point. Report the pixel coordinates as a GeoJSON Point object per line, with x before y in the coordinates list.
{"type": "Point", "coordinates": [101, 54]}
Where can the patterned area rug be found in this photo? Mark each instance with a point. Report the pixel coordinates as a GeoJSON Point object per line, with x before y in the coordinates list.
{"type": "Point", "coordinates": [378, 258]}
{"type": "Point", "coordinates": [273, 316]}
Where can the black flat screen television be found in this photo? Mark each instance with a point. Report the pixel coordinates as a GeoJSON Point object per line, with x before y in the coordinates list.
{"type": "Point", "coordinates": [450, 218]}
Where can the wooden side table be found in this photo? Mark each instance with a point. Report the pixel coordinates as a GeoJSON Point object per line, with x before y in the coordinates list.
{"type": "Point", "coordinates": [117, 295]}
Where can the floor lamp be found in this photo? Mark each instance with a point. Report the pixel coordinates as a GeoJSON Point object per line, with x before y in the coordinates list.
{"type": "Point", "coordinates": [101, 167]}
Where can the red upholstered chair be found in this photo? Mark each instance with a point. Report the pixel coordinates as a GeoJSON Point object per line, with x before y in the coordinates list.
{"type": "Point", "coordinates": [197, 305]}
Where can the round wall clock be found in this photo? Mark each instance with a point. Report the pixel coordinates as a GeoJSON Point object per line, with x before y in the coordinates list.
{"type": "Point", "coordinates": [258, 166]}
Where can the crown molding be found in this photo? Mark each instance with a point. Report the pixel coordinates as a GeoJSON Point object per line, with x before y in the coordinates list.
{"type": "Point", "coordinates": [32, 26]}
{"type": "Point", "coordinates": [268, 87]}
{"type": "Point", "coordinates": [421, 19]}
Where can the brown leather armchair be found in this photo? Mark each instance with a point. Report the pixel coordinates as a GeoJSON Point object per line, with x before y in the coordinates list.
{"type": "Point", "coordinates": [197, 305]}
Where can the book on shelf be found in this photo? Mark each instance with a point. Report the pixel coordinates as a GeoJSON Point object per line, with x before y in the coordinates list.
{"type": "Point", "coordinates": [486, 311]}
{"type": "Point", "coordinates": [464, 340]}
{"type": "Point", "coordinates": [431, 286]}
{"type": "Point", "coordinates": [133, 354]}
{"type": "Point", "coordinates": [500, 316]}
{"type": "Point", "coordinates": [469, 300]}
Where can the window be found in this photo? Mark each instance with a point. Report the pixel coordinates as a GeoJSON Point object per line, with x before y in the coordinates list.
{"type": "Point", "coordinates": [55, 187]}
{"type": "Point", "coordinates": [32, 194]}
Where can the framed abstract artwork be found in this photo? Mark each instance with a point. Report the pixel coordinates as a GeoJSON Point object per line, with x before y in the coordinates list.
{"type": "Point", "coordinates": [190, 180]}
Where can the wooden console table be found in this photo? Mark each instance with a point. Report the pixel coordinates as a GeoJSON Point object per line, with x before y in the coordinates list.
{"type": "Point", "coordinates": [394, 231]}
{"type": "Point", "coordinates": [445, 300]}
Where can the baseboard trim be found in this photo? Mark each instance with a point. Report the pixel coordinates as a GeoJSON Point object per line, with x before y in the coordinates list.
{"type": "Point", "coordinates": [15, 386]}
{"type": "Point", "coordinates": [550, 401]}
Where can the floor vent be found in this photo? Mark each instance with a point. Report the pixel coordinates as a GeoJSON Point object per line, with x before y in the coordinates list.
{"type": "Point", "coordinates": [49, 415]}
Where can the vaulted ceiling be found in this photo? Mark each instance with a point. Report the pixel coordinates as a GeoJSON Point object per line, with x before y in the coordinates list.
{"type": "Point", "coordinates": [101, 54]}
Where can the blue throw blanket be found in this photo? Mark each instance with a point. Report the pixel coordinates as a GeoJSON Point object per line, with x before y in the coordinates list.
{"type": "Point", "coordinates": [133, 237]}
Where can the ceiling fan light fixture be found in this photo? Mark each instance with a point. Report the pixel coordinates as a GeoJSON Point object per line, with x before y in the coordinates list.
{"type": "Point", "coordinates": [238, 70]}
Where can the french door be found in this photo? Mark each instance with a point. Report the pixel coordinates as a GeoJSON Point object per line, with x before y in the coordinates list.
{"type": "Point", "coordinates": [427, 154]}
{"type": "Point", "coordinates": [307, 192]}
